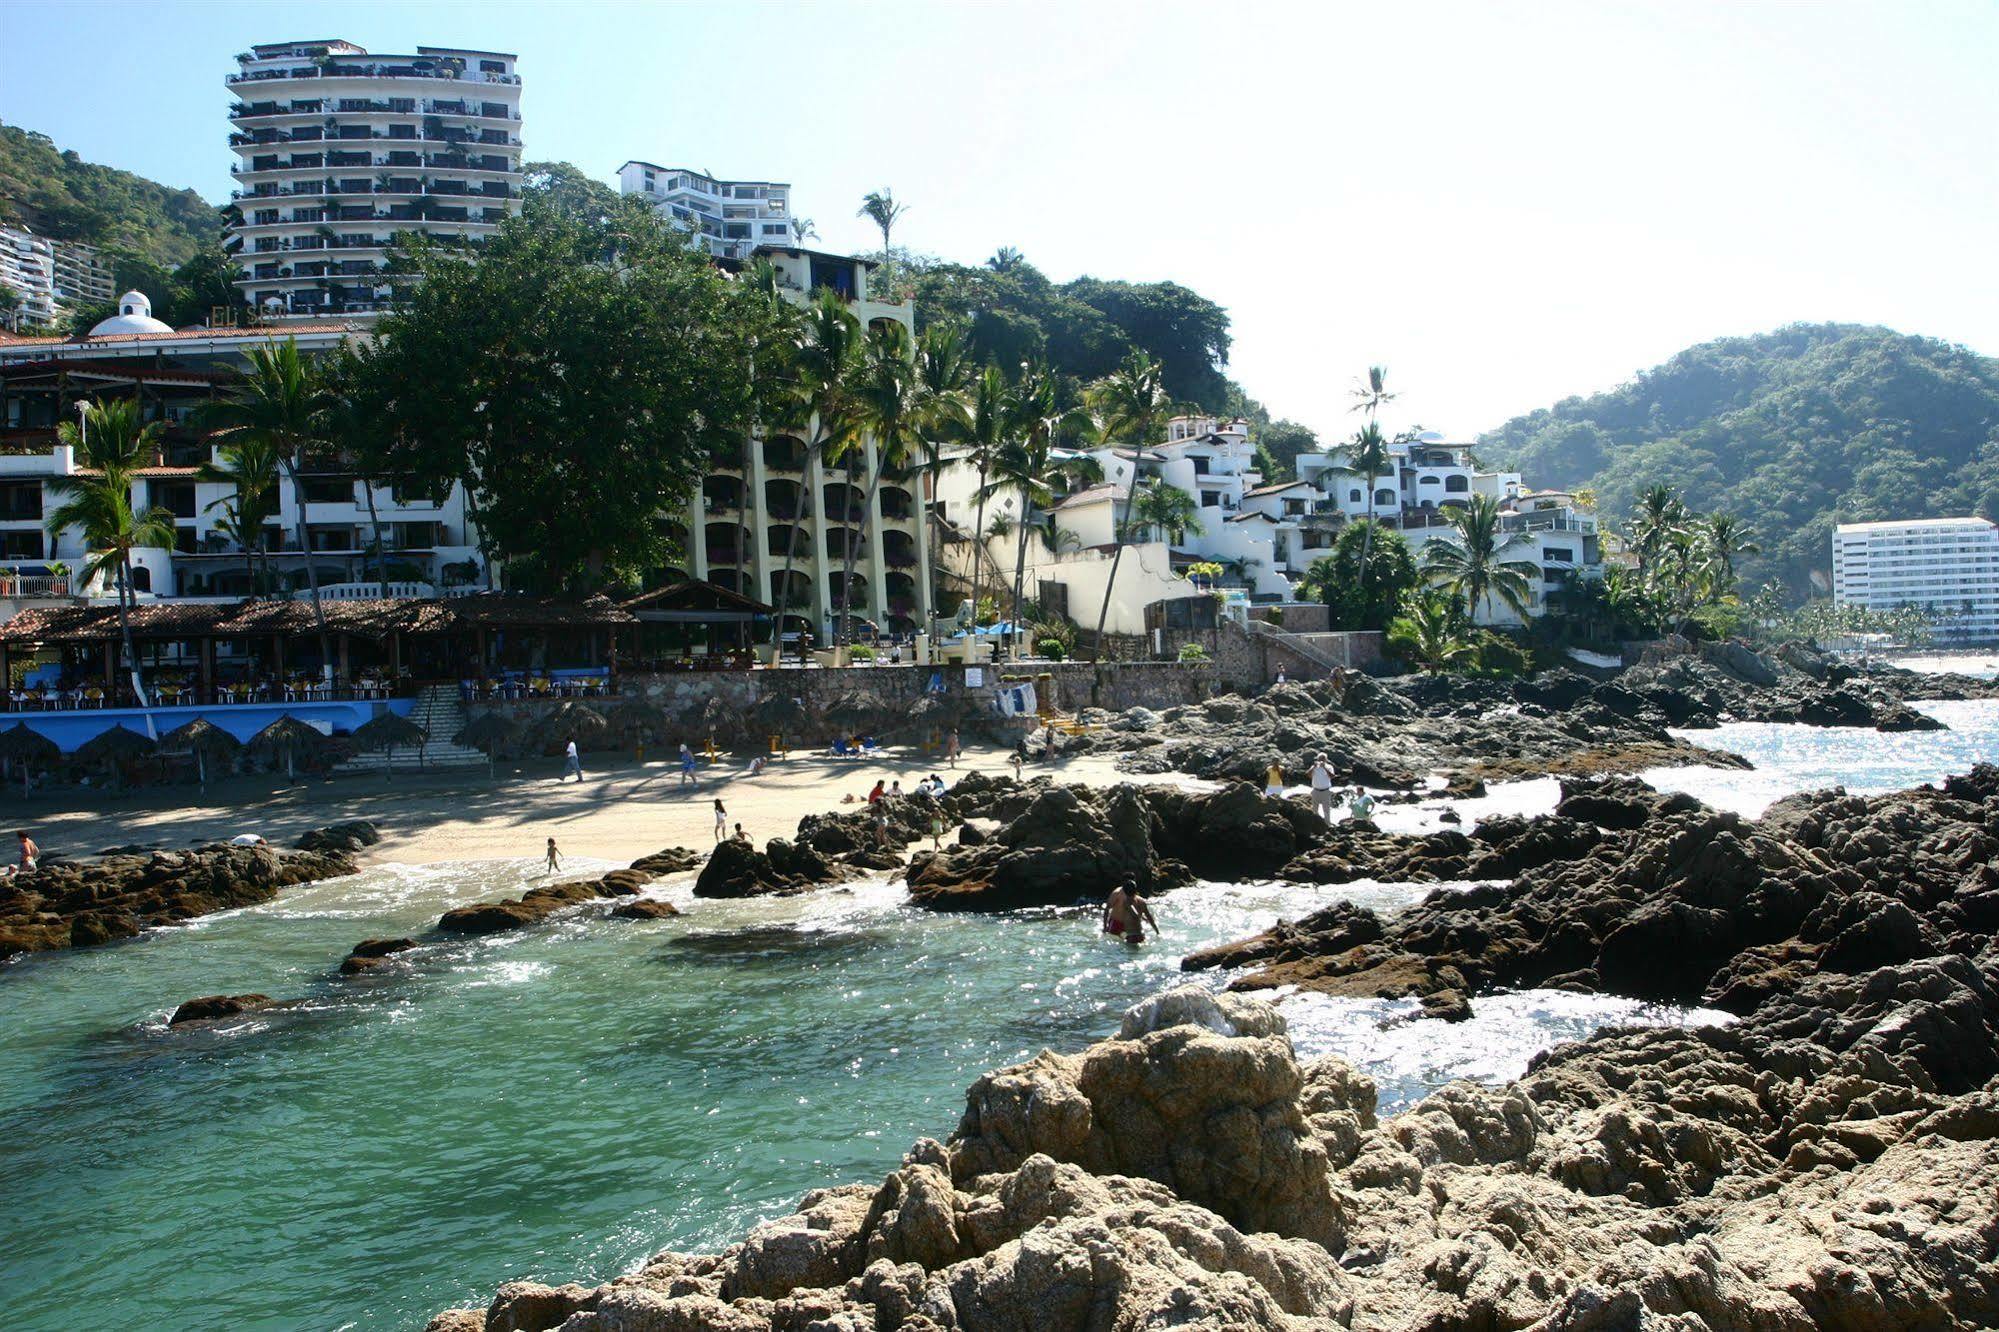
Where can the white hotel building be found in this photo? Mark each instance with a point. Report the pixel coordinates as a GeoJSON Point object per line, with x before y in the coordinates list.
{"type": "Point", "coordinates": [730, 217]}
{"type": "Point", "coordinates": [340, 150]}
{"type": "Point", "coordinates": [1948, 566]}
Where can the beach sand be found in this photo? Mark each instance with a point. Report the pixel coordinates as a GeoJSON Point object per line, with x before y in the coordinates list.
{"type": "Point", "coordinates": [622, 810]}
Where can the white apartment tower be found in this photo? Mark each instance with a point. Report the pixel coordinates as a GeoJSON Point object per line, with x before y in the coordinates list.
{"type": "Point", "coordinates": [340, 150]}
{"type": "Point", "coordinates": [27, 279]}
{"type": "Point", "coordinates": [1947, 566]}
{"type": "Point", "coordinates": [730, 217]}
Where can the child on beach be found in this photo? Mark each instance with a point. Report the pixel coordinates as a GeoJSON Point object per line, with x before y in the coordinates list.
{"type": "Point", "coordinates": [554, 857]}
{"type": "Point", "coordinates": [951, 748]}
{"type": "Point", "coordinates": [721, 820]}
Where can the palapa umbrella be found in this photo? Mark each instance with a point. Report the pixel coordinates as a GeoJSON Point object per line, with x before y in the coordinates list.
{"type": "Point", "coordinates": [292, 738]}
{"type": "Point", "coordinates": [23, 746]}
{"type": "Point", "coordinates": [566, 721]}
{"type": "Point", "coordinates": [205, 740]}
{"type": "Point", "coordinates": [113, 747]}
{"type": "Point", "coordinates": [387, 731]}
{"type": "Point", "coordinates": [490, 733]}
{"type": "Point", "coordinates": [635, 715]}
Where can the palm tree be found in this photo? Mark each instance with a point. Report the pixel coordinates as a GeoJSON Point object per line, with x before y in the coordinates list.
{"type": "Point", "coordinates": [1019, 465]}
{"type": "Point", "coordinates": [281, 403]}
{"type": "Point", "coordinates": [1659, 512]}
{"type": "Point", "coordinates": [1006, 259]}
{"type": "Point", "coordinates": [892, 406]}
{"type": "Point", "coordinates": [824, 357]}
{"type": "Point", "coordinates": [1473, 566]}
{"type": "Point", "coordinates": [250, 468]}
{"type": "Point", "coordinates": [1168, 511]}
{"type": "Point", "coordinates": [802, 230]}
{"type": "Point", "coordinates": [113, 445]}
{"type": "Point", "coordinates": [1728, 537]}
{"type": "Point", "coordinates": [1372, 394]}
{"type": "Point", "coordinates": [1369, 458]}
{"type": "Point", "coordinates": [944, 366]}
{"type": "Point", "coordinates": [1428, 634]}
{"type": "Point", "coordinates": [776, 322]}
{"type": "Point", "coordinates": [1129, 402]}
{"type": "Point", "coordinates": [1039, 420]}
{"type": "Point", "coordinates": [991, 409]}
{"type": "Point", "coordinates": [880, 208]}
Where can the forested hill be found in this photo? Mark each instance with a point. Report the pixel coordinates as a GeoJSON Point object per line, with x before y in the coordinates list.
{"type": "Point", "coordinates": [1794, 430]}
{"type": "Point", "coordinates": [62, 196]}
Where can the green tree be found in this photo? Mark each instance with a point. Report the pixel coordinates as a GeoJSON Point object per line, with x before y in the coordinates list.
{"type": "Point", "coordinates": [577, 379]}
{"type": "Point", "coordinates": [1167, 512]}
{"type": "Point", "coordinates": [1659, 514]}
{"type": "Point", "coordinates": [1369, 458]}
{"type": "Point", "coordinates": [1130, 403]}
{"type": "Point", "coordinates": [249, 467]}
{"type": "Point", "coordinates": [1728, 540]}
{"type": "Point", "coordinates": [880, 208]}
{"type": "Point", "coordinates": [112, 444]}
{"type": "Point", "coordinates": [891, 409]}
{"type": "Point", "coordinates": [1474, 567]}
{"type": "Point", "coordinates": [1430, 634]}
{"type": "Point", "coordinates": [1357, 599]}
{"type": "Point", "coordinates": [825, 364]}
{"type": "Point", "coordinates": [279, 403]}
{"type": "Point", "coordinates": [1278, 446]}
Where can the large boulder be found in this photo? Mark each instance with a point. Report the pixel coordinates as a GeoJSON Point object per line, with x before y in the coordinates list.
{"type": "Point", "coordinates": [215, 1006]}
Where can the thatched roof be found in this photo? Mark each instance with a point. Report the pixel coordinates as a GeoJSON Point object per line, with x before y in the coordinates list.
{"type": "Point", "coordinates": [368, 618]}
{"type": "Point", "coordinates": [389, 731]}
{"type": "Point", "coordinates": [289, 733]}
{"type": "Point", "coordinates": [490, 733]}
{"type": "Point", "coordinates": [23, 745]}
{"type": "Point", "coordinates": [201, 736]}
{"type": "Point", "coordinates": [113, 745]}
{"type": "Point", "coordinates": [635, 714]}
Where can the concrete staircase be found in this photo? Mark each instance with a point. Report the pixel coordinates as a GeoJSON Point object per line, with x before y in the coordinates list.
{"type": "Point", "coordinates": [441, 714]}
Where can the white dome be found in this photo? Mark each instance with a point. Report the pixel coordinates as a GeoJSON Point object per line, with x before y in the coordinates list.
{"type": "Point", "coordinates": [1432, 437]}
{"type": "Point", "coordinates": [135, 315]}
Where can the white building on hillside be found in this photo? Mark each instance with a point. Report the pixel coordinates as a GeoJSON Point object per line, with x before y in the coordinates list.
{"type": "Point", "coordinates": [341, 150]}
{"type": "Point", "coordinates": [1947, 566]}
{"type": "Point", "coordinates": [27, 279]}
{"type": "Point", "coordinates": [731, 217]}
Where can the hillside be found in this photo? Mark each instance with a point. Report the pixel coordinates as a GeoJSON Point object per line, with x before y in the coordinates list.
{"type": "Point", "coordinates": [60, 195]}
{"type": "Point", "coordinates": [1795, 430]}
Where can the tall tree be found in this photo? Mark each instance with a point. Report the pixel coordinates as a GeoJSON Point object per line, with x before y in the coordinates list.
{"type": "Point", "coordinates": [112, 444]}
{"type": "Point", "coordinates": [1473, 563]}
{"type": "Point", "coordinates": [1370, 459]}
{"type": "Point", "coordinates": [1130, 404]}
{"type": "Point", "coordinates": [1168, 511]}
{"type": "Point", "coordinates": [280, 404]}
{"type": "Point", "coordinates": [1357, 596]}
{"type": "Point", "coordinates": [1728, 540]}
{"type": "Point", "coordinates": [824, 365]}
{"type": "Point", "coordinates": [880, 208]}
{"type": "Point", "coordinates": [249, 467]}
{"type": "Point", "coordinates": [991, 411]}
{"type": "Point", "coordinates": [1659, 513]}
{"type": "Point", "coordinates": [944, 368]}
{"type": "Point", "coordinates": [577, 379]}
{"type": "Point", "coordinates": [891, 409]}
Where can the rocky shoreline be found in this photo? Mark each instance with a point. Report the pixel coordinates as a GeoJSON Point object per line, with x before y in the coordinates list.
{"type": "Point", "coordinates": [1830, 1159]}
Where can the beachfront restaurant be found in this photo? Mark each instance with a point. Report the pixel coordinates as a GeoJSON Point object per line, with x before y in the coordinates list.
{"type": "Point", "coordinates": [243, 664]}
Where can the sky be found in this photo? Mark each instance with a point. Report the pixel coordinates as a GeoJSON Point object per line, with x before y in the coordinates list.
{"type": "Point", "coordinates": [1504, 204]}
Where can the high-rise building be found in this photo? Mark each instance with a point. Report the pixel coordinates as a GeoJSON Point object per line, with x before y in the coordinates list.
{"type": "Point", "coordinates": [341, 150]}
{"type": "Point", "coordinates": [731, 217]}
{"type": "Point", "coordinates": [1948, 567]}
{"type": "Point", "coordinates": [82, 276]}
{"type": "Point", "coordinates": [27, 279]}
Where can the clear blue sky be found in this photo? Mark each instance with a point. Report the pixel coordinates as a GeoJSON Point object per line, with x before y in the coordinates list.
{"type": "Point", "coordinates": [1504, 204]}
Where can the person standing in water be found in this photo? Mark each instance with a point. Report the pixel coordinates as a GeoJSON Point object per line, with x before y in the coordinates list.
{"type": "Point", "coordinates": [721, 820]}
{"type": "Point", "coordinates": [554, 858]}
{"type": "Point", "coordinates": [1126, 914]}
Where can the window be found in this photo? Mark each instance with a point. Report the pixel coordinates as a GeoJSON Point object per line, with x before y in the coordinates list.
{"type": "Point", "coordinates": [1353, 496]}
{"type": "Point", "coordinates": [1457, 485]}
{"type": "Point", "coordinates": [329, 489]}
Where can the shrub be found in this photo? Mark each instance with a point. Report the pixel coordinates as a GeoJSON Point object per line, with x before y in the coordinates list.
{"type": "Point", "coordinates": [1051, 648]}
{"type": "Point", "coordinates": [1499, 654]}
{"type": "Point", "coordinates": [861, 652]}
{"type": "Point", "coordinates": [1193, 652]}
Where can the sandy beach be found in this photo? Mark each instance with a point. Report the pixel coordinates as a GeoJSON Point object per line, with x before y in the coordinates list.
{"type": "Point", "coordinates": [622, 810]}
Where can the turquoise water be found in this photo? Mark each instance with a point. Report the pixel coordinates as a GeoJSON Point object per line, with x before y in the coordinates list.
{"type": "Point", "coordinates": [561, 1102]}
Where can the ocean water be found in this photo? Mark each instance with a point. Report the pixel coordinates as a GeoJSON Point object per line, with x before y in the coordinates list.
{"type": "Point", "coordinates": [561, 1102]}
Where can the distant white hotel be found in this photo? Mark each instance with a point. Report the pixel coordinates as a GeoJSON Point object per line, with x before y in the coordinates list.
{"type": "Point", "coordinates": [341, 150]}
{"type": "Point", "coordinates": [1948, 566]}
{"type": "Point", "coordinates": [48, 278]}
{"type": "Point", "coordinates": [730, 217]}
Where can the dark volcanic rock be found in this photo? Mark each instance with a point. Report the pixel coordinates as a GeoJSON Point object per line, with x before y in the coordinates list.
{"type": "Point", "coordinates": [218, 1006]}
{"type": "Point", "coordinates": [350, 837]}
{"type": "Point", "coordinates": [672, 860]}
{"type": "Point", "coordinates": [85, 903]}
{"type": "Point", "coordinates": [369, 954]}
{"type": "Point", "coordinates": [645, 909]}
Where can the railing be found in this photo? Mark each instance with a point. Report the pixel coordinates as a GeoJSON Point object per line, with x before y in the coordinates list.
{"type": "Point", "coordinates": [15, 586]}
{"type": "Point", "coordinates": [90, 698]}
{"type": "Point", "coordinates": [1548, 522]}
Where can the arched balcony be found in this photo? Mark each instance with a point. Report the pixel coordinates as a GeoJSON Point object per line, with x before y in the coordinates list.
{"type": "Point", "coordinates": [838, 539]}
{"type": "Point", "coordinates": [785, 500]}
{"type": "Point", "coordinates": [726, 577]}
{"type": "Point", "coordinates": [789, 541]}
{"type": "Point", "coordinates": [896, 502]}
{"type": "Point", "coordinates": [857, 595]}
{"type": "Point", "coordinates": [726, 543]}
{"type": "Point", "coordinates": [844, 502]}
{"type": "Point", "coordinates": [900, 589]}
{"type": "Point", "coordinates": [721, 494]}
{"type": "Point", "coordinates": [665, 575]}
{"type": "Point", "coordinates": [784, 453]}
{"type": "Point", "coordinates": [800, 594]}
{"type": "Point", "coordinates": [899, 550]}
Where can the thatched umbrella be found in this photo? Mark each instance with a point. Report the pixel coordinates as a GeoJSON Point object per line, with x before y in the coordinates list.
{"type": "Point", "coordinates": [387, 731]}
{"type": "Point", "coordinates": [292, 738]}
{"type": "Point", "coordinates": [566, 721]}
{"type": "Point", "coordinates": [113, 747]}
{"type": "Point", "coordinates": [23, 746]}
{"type": "Point", "coordinates": [639, 721]}
{"type": "Point", "coordinates": [490, 733]}
{"type": "Point", "coordinates": [205, 740]}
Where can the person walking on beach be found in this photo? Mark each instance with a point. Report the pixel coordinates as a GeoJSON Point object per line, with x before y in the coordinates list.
{"type": "Point", "coordinates": [1322, 788]}
{"type": "Point", "coordinates": [936, 830]}
{"type": "Point", "coordinates": [31, 854]}
{"type": "Point", "coordinates": [554, 858]}
{"type": "Point", "coordinates": [572, 761]}
{"type": "Point", "coordinates": [951, 747]}
{"type": "Point", "coordinates": [1016, 761]}
{"type": "Point", "coordinates": [721, 820]}
{"type": "Point", "coordinates": [687, 777]}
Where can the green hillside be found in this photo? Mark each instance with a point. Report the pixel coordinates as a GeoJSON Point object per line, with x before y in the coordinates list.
{"type": "Point", "coordinates": [60, 195]}
{"type": "Point", "coordinates": [1795, 430]}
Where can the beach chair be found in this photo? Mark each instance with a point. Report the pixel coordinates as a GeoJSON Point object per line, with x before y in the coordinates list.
{"type": "Point", "coordinates": [840, 749]}
{"type": "Point", "coordinates": [869, 747]}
